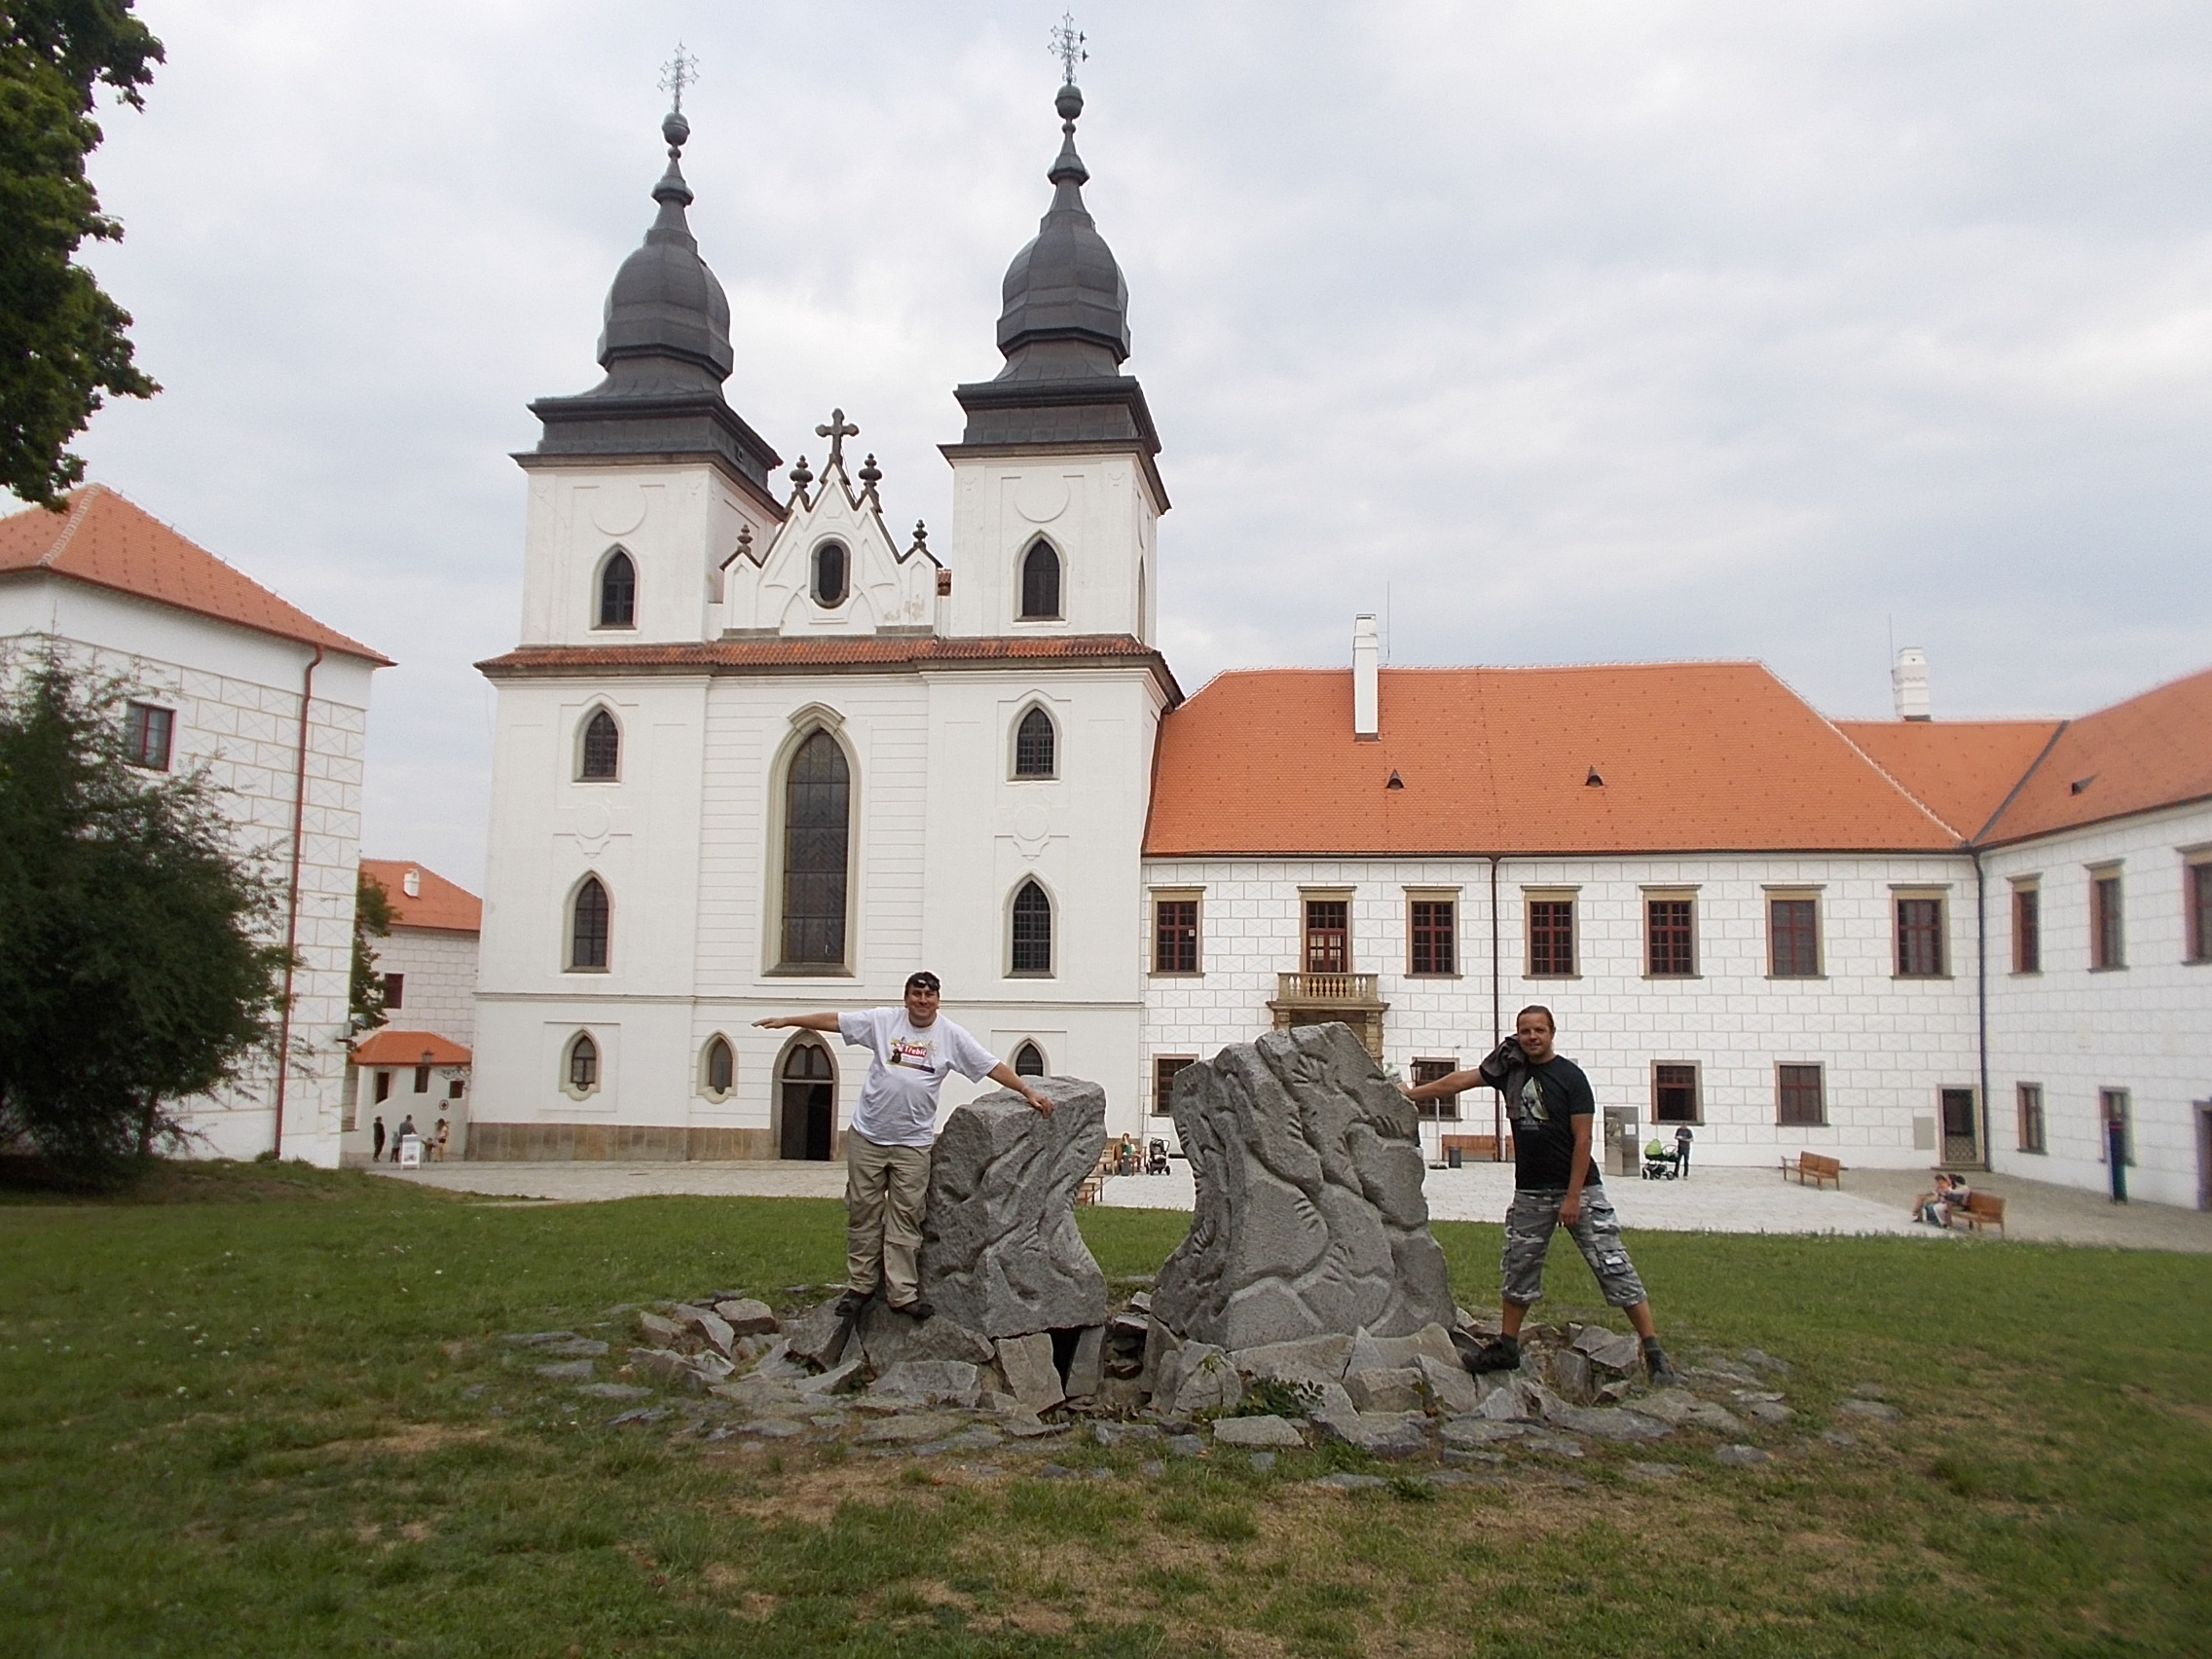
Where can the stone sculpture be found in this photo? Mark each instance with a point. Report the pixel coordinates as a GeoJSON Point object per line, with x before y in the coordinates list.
{"type": "Point", "coordinates": [1310, 1217]}
{"type": "Point", "coordinates": [1001, 1254]}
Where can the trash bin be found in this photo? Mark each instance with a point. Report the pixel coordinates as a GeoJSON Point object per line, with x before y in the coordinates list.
{"type": "Point", "coordinates": [1451, 1158]}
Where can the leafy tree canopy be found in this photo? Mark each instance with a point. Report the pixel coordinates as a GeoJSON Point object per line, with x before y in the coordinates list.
{"type": "Point", "coordinates": [135, 962]}
{"type": "Point", "coordinates": [372, 920]}
{"type": "Point", "coordinates": [61, 339]}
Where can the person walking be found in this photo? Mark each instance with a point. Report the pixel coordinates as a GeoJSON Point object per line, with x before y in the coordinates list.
{"type": "Point", "coordinates": [1556, 1184]}
{"type": "Point", "coordinates": [375, 1140]}
{"type": "Point", "coordinates": [887, 1145]}
{"type": "Point", "coordinates": [1682, 1139]}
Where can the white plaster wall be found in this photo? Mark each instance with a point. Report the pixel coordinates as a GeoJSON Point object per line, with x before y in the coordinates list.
{"type": "Point", "coordinates": [880, 590]}
{"type": "Point", "coordinates": [440, 991]}
{"type": "Point", "coordinates": [1886, 1045]}
{"type": "Point", "coordinates": [1097, 510]}
{"type": "Point", "coordinates": [2146, 1027]}
{"type": "Point", "coordinates": [237, 697]}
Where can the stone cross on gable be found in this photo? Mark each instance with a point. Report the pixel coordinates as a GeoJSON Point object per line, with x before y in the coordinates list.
{"type": "Point", "coordinates": [837, 431]}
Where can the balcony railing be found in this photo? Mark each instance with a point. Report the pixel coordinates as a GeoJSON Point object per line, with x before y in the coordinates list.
{"type": "Point", "coordinates": [1333, 990]}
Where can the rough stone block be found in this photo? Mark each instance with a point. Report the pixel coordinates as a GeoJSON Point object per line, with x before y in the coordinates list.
{"type": "Point", "coordinates": [1309, 1214]}
{"type": "Point", "coordinates": [1516, 1402]}
{"type": "Point", "coordinates": [748, 1318]}
{"type": "Point", "coordinates": [1381, 1434]}
{"type": "Point", "coordinates": [709, 1324]}
{"type": "Point", "coordinates": [1087, 1366]}
{"type": "Point", "coordinates": [1196, 1379]}
{"type": "Point", "coordinates": [1571, 1376]}
{"type": "Point", "coordinates": [1397, 1391]}
{"type": "Point", "coordinates": [1760, 1360]}
{"type": "Point", "coordinates": [1718, 1419]}
{"type": "Point", "coordinates": [1001, 1253]}
{"type": "Point", "coordinates": [567, 1371]}
{"type": "Point", "coordinates": [837, 1380]}
{"type": "Point", "coordinates": [1370, 1352]}
{"type": "Point", "coordinates": [660, 1332]}
{"type": "Point", "coordinates": [931, 1382]}
{"type": "Point", "coordinates": [1257, 1431]}
{"type": "Point", "coordinates": [890, 1339]}
{"type": "Point", "coordinates": [1159, 1343]}
{"type": "Point", "coordinates": [1873, 1410]}
{"type": "Point", "coordinates": [1031, 1376]}
{"type": "Point", "coordinates": [819, 1335]}
{"type": "Point", "coordinates": [1611, 1423]}
{"type": "Point", "coordinates": [1668, 1405]}
{"type": "Point", "coordinates": [1739, 1457]}
{"type": "Point", "coordinates": [1472, 1433]}
{"type": "Point", "coordinates": [1449, 1384]}
{"type": "Point", "coordinates": [1308, 1356]}
{"type": "Point", "coordinates": [1619, 1354]}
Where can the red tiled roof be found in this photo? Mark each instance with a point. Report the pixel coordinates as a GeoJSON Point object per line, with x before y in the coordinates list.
{"type": "Point", "coordinates": [438, 904]}
{"type": "Point", "coordinates": [408, 1049]}
{"type": "Point", "coordinates": [1694, 756]}
{"type": "Point", "coordinates": [2151, 750]}
{"type": "Point", "coordinates": [109, 541]}
{"type": "Point", "coordinates": [862, 652]}
{"type": "Point", "coordinates": [1960, 770]}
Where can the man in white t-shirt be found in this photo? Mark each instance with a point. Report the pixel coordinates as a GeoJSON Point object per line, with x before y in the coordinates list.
{"type": "Point", "coordinates": [887, 1145]}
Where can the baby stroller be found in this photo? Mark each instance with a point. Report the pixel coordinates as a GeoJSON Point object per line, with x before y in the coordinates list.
{"type": "Point", "coordinates": [1156, 1157]}
{"type": "Point", "coordinates": [1660, 1164]}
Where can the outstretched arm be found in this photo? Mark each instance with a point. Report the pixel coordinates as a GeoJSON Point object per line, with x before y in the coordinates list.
{"type": "Point", "coordinates": [1456, 1083]}
{"type": "Point", "coordinates": [800, 1022]}
{"type": "Point", "coordinates": [1006, 1077]}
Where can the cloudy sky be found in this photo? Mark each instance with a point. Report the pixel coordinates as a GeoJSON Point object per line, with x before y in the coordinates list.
{"type": "Point", "coordinates": [1559, 330]}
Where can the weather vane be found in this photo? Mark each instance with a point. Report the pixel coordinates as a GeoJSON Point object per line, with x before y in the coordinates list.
{"type": "Point", "coordinates": [1067, 45]}
{"type": "Point", "coordinates": [678, 72]}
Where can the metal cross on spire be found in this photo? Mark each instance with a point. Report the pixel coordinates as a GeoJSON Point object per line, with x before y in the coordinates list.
{"type": "Point", "coordinates": [1067, 45]}
{"type": "Point", "coordinates": [837, 431]}
{"type": "Point", "coordinates": [678, 72]}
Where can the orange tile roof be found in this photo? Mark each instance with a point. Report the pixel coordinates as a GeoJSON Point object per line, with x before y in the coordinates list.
{"type": "Point", "coordinates": [2151, 750]}
{"type": "Point", "coordinates": [892, 653]}
{"type": "Point", "coordinates": [109, 541]}
{"type": "Point", "coordinates": [1960, 770]}
{"type": "Point", "coordinates": [1694, 756]}
{"type": "Point", "coordinates": [438, 904]}
{"type": "Point", "coordinates": [408, 1049]}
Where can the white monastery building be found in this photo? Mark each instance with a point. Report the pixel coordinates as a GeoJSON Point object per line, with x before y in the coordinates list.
{"type": "Point", "coordinates": [758, 754]}
{"type": "Point", "coordinates": [418, 1062]}
{"type": "Point", "coordinates": [275, 706]}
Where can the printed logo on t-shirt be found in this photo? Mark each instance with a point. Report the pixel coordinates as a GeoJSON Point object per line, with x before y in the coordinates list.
{"type": "Point", "coordinates": [1531, 1110]}
{"type": "Point", "coordinates": [919, 1052]}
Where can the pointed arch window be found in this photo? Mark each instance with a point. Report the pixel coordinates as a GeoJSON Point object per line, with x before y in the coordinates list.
{"type": "Point", "coordinates": [582, 1066]}
{"type": "Point", "coordinates": [1032, 932]}
{"type": "Point", "coordinates": [589, 915]}
{"type": "Point", "coordinates": [1036, 746]}
{"type": "Point", "coordinates": [1041, 583]}
{"type": "Point", "coordinates": [617, 592]}
{"type": "Point", "coordinates": [602, 757]}
{"type": "Point", "coordinates": [830, 575]}
{"type": "Point", "coordinates": [1029, 1060]}
{"type": "Point", "coordinates": [817, 835]}
{"type": "Point", "coordinates": [719, 1067]}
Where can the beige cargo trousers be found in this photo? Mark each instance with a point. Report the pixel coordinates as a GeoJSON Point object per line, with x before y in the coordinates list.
{"type": "Point", "coordinates": [886, 1195]}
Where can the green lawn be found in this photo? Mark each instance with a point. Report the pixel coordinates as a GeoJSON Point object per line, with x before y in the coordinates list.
{"type": "Point", "coordinates": [274, 1415]}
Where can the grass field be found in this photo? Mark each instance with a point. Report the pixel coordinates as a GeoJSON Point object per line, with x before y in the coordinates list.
{"type": "Point", "coordinates": [264, 1411]}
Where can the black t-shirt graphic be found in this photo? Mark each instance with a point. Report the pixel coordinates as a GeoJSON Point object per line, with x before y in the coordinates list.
{"type": "Point", "coordinates": [1543, 1101]}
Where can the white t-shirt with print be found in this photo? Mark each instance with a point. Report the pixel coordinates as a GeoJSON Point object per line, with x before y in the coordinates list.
{"type": "Point", "coordinates": [899, 1102]}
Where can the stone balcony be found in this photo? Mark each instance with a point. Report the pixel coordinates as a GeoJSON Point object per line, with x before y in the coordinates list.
{"type": "Point", "coordinates": [1315, 999]}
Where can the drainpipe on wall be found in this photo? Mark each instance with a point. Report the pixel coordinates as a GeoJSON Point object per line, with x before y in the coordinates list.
{"type": "Point", "coordinates": [1981, 1000]}
{"type": "Point", "coordinates": [292, 899]}
{"type": "Point", "coordinates": [1496, 1014]}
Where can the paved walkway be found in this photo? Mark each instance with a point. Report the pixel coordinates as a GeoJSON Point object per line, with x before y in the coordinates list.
{"type": "Point", "coordinates": [1711, 1201]}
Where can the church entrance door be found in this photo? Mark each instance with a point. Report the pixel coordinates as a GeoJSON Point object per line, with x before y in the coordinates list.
{"type": "Point", "coordinates": [808, 1108]}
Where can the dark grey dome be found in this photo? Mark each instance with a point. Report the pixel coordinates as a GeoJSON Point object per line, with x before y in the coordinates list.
{"type": "Point", "coordinates": [1067, 305]}
{"type": "Point", "coordinates": [667, 319]}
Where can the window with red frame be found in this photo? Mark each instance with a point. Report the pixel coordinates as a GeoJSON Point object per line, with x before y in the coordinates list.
{"type": "Point", "coordinates": [1435, 937]}
{"type": "Point", "coordinates": [1328, 936]}
{"type": "Point", "coordinates": [1175, 935]}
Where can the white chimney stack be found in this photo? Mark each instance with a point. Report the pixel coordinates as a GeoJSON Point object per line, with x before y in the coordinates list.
{"type": "Point", "coordinates": [1908, 683]}
{"type": "Point", "coordinates": [1365, 680]}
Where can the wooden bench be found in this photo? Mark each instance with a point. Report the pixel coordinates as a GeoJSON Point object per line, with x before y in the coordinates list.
{"type": "Point", "coordinates": [1474, 1149]}
{"type": "Point", "coordinates": [1982, 1209]}
{"type": "Point", "coordinates": [1814, 1167]}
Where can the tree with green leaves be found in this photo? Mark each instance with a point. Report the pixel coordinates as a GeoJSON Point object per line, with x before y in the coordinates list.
{"type": "Point", "coordinates": [62, 340]}
{"type": "Point", "coordinates": [372, 920]}
{"type": "Point", "coordinates": [137, 968]}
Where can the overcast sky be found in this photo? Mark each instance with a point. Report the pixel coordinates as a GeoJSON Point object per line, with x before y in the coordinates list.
{"type": "Point", "coordinates": [1561, 330]}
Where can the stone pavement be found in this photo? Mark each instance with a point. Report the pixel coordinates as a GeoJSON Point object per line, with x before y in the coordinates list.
{"type": "Point", "coordinates": [1711, 1201]}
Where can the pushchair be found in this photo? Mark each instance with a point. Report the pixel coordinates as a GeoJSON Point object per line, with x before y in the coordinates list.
{"type": "Point", "coordinates": [1660, 1164]}
{"type": "Point", "coordinates": [1156, 1157]}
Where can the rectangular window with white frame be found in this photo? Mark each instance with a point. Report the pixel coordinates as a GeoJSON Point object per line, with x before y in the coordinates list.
{"type": "Point", "coordinates": [1920, 939]}
{"type": "Point", "coordinates": [1800, 1096]}
{"type": "Point", "coordinates": [2027, 924]}
{"type": "Point", "coordinates": [1670, 934]}
{"type": "Point", "coordinates": [1327, 920]}
{"type": "Point", "coordinates": [1432, 934]}
{"type": "Point", "coordinates": [1675, 1097]}
{"type": "Point", "coordinates": [1553, 949]}
{"type": "Point", "coordinates": [1792, 934]}
{"type": "Point", "coordinates": [2108, 928]}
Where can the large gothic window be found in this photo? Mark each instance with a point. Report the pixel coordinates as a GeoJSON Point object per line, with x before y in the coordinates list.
{"type": "Point", "coordinates": [588, 919]}
{"type": "Point", "coordinates": [1040, 583]}
{"type": "Point", "coordinates": [603, 748]}
{"type": "Point", "coordinates": [817, 828]}
{"type": "Point", "coordinates": [1033, 746]}
{"type": "Point", "coordinates": [1032, 931]}
{"type": "Point", "coordinates": [617, 592]}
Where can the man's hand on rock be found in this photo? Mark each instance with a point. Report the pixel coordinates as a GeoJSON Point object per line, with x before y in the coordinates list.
{"type": "Point", "coordinates": [1038, 1101]}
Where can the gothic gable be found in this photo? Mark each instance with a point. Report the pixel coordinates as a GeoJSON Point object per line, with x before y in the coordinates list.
{"type": "Point", "coordinates": [833, 567]}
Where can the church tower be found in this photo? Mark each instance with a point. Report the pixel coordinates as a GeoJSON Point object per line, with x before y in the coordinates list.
{"type": "Point", "coordinates": [1056, 494]}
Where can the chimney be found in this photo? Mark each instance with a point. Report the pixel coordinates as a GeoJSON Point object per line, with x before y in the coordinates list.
{"type": "Point", "coordinates": [1365, 681]}
{"type": "Point", "coordinates": [1908, 683]}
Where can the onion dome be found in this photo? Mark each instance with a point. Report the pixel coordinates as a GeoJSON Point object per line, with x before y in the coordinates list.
{"type": "Point", "coordinates": [1067, 305]}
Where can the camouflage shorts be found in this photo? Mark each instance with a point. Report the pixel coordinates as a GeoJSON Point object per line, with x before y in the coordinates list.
{"type": "Point", "coordinates": [1529, 1226]}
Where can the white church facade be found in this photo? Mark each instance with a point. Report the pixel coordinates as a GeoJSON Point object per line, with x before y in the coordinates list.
{"type": "Point", "coordinates": [758, 754]}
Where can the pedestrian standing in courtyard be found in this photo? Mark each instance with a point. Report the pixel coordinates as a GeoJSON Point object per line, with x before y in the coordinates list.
{"type": "Point", "coordinates": [1556, 1184]}
{"type": "Point", "coordinates": [887, 1145]}
{"type": "Point", "coordinates": [1682, 1139]}
{"type": "Point", "coordinates": [399, 1141]}
{"type": "Point", "coordinates": [376, 1139]}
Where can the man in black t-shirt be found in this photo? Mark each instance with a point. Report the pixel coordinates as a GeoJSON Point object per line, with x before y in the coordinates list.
{"type": "Point", "coordinates": [1556, 1184]}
